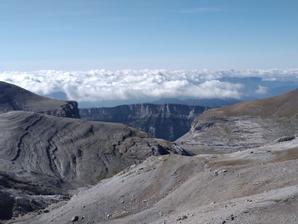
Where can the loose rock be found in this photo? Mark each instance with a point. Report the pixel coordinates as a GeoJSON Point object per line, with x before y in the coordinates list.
{"type": "Point", "coordinates": [182, 218]}
{"type": "Point", "coordinates": [75, 219]}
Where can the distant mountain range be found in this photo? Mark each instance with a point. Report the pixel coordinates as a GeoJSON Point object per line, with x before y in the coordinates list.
{"type": "Point", "coordinates": [166, 121]}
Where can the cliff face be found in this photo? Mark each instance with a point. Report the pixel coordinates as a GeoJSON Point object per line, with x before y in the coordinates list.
{"type": "Point", "coordinates": [68, 109]}
{"type": "Point", "coordinates": [15, 98]}
{"type": "Point", "coordinates": [168, 121]}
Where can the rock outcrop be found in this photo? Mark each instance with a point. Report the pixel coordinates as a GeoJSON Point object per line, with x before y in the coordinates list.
{"type": "Point", "coordinates": [15, 98]}
{"type": "Point", "coordinates": [43, 157]}
{"type": "Point", "coordinates": [168, 121]}
{"type": "Point", "coordinates": [243, 125]}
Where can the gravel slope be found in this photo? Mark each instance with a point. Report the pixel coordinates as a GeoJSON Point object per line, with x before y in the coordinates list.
{"type": "Point", "coordinates": [243, 125]}
{"type": "Point", "coordinates": [258, 185]}
{"type": "Point", "coordinates": [50, 156]}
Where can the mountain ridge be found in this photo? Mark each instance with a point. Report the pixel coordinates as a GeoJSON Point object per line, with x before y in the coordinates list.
{"type": "Point", "coordinates": [278, 106]}
{"type": "Point", "coordinates": [13, 98]}
{"type": "Point", "coordinates": [243, 125]}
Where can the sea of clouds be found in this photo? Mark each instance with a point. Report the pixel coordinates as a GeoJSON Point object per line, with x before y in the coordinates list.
{"type": "Point", "coordinates": [105, 85]}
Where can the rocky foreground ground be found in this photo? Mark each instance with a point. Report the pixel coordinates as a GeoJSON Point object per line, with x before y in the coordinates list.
{"type": "Point", "coordinates": [44, 158]}
{"type": "Point", "coordinates": [258, 185]}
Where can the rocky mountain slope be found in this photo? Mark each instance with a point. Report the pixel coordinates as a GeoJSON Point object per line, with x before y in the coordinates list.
{"type": "Point", "coordinates": [237, 188]}
{"type": "Point", "coordinates": [70, 171]}
{"type": "Point", "coordinates": [168, 121]}
{"type": "Point", "coordinates": [244, 125]}
{"type": "Point", "coordinates": [43, 158]}
{"type": "Point", "coordinates": [15, 98]}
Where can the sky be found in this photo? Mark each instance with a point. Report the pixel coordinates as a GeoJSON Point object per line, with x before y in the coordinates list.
{"type": "Point", "coordinates": [111, 52]}
{"type": "Point", "coordinates": [148, 34]}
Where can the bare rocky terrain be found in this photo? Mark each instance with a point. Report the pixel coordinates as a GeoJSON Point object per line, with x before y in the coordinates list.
{"type": "Point", "coordinates": [237, 165]}
{"type": "Point", "coordinates": [243, 125]}
{"type": "Point", "coordinates": [258, 185]}
{"type": "Point", "coordinates": [43, 158]}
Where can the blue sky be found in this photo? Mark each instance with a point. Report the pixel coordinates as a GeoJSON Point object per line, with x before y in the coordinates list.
{"type": "Point", "coordinates": [170, 34]}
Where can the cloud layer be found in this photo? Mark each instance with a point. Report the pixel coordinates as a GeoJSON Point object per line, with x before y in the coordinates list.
{"type": "Point", "coordinates": [106, 85]}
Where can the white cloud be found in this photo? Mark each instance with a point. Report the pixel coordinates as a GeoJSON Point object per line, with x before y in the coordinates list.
{"type": "Point", "coordinates": [261, 90]}
{"type": "Point", "coordinates": [106, 85]}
